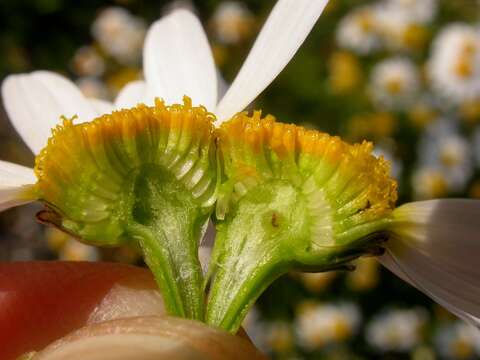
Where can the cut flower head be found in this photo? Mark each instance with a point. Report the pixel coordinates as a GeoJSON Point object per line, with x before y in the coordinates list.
{"type": "Point", "coordinates": [292, 198]}
{"type": "Point", "coordinates": [285, 197]}
{"type": "Point", "coordinates": [144, 174]}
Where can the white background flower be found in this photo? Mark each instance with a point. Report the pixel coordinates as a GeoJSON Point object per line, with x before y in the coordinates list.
{"type": "Point", "coordinates": [232, 21]}
{"type": "Point", "coordinates": [458, 341]}
{"type": "Point", "coordinates": [454, 64]}
{"type": "Point", "coordinates": [320, 324]}
{"type": "Point", "coordinates": [359, 30]}
{"type": "Point", "coordinates": [394, 83]}
{"type": "Point", "coordinates": [445, 150]}
{"type": "Point", "coordinates": [120, 34]}
{"type": "Point", "coordinates": [396, 329]}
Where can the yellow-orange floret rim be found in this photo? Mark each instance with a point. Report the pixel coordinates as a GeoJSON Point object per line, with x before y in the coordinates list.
{"type": "Point", "coordinates": [291, 143]}
{"type": "Point", "coordinates": [120, 125]}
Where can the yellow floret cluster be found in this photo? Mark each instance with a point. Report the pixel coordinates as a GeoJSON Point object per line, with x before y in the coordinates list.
{"type": "Point", "coordinates": [356, 184]}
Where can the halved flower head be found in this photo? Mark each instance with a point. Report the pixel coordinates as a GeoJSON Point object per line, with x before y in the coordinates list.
{"type": "Point", "coordinates": [290, 198]}
{"type": "Point", "coordinates": [146, 174]}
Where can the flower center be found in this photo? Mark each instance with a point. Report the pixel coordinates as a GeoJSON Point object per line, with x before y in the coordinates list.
{"type": "Point", "coordinates": [394, 85]}
{"type": "Point", "coordinates": [365, 21]}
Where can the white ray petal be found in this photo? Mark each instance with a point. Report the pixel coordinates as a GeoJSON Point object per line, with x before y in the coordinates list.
{"type": "Point", "coordinates": [132, 94]}
{"type": "Point", "coordinates": [436, 247]}
{"type": "Point", "coordinates": [35, 102]}
{"type": "Point", "coordinates": [178, 60]}
{"type": "Point", "coordinates": [284, 31]}
{"type": "Point", "coordinates": [16, 185]}
{"type": "Point", "coordinates": [222, 85]}
{"type": "Point", "coordinates": [101, 106]}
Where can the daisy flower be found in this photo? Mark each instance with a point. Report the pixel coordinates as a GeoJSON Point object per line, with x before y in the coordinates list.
{"type": "Point", "coordinates": [444, 149]}
{"type": "Point", "coordinates": [454, 64]}
{"type": "Point", "coordinates": [232, 22]}
{"type": "Point", "coordinates": [318, 325]}
{"type": "Point", "coordinates": [458, 341]}
{"type": "Point", "coordinates": [359, 30]}
{"type": "Point", "coordinates": [120, 34]}
{"type": "Point", "coordinates": [285, 198]}
{"type": "Point", "coordinates": [317, 201]}
{"type": "Point", "coordinates": [81, 172]}
{"type": "Point", "coordinates": [396, 329]}
{"type": "Point", "coordinates": [399, 30]}
{"type": "Point", "coordinates": [394, 83]}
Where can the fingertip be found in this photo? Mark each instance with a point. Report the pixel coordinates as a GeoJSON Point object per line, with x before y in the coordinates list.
{"type": "Point", "coordinates": [42, 301]}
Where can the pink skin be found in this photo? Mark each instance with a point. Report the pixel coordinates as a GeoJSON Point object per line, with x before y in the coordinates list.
{"type": "Point", "coordinates": [43, 301]}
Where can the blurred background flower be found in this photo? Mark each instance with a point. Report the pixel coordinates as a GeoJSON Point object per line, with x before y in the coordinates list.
{"type": "Point", "coordinates": [458, 341]}
{"type": "Point", "coordinates": [119, 34]}
{"type": "Point", "coordinates": [397, 330]}
{"type": "Point", "coordinates": [402, 73]}
{"type": "Point", "coordinates": [322, 324]}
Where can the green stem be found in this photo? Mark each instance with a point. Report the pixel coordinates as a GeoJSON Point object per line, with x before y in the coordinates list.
{"type": "Point", "coordinates": [166, 222]}
{"type": "Point", "coordinates": [238, 283]}
{"type": "Point", "coordinates": [177, 274]}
